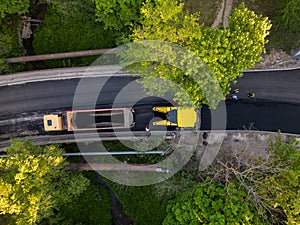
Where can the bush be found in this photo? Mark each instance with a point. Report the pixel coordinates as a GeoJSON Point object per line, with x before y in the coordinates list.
{"type": "Point", "coordinates": [71, 29]}
{"type": "Point", "coordinates": [142, 204]}
{"type": "Point", "coordinates": [9, 46]}
{"type": "Point", "coordinates": [289, 16]}
{"type": "Point", "coordinates": [91, 207]}
{"type": "Point", "coordinates": [13, 6]}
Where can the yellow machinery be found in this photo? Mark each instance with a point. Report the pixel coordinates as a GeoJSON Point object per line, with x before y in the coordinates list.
{"type": "Point", "coordinates": [53, 122]}
{"type": "Point", "coordinates": [94, 119]}
{"type": "Point", "coordinates": [177, 116]}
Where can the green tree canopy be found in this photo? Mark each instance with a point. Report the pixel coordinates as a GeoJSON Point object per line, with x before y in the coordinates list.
{"type": "Point", "coordinates": [289, 16]}
{"type": "Point", "coordinates": [226, 52]}
{"type": "Point", "coordinates": [13, 6]}
{"type": "Point", "coordinates": [283, 183]}
{"type": "Point", "coordinates": [117, 14]}
{"type": "Point", "coordinates": [270, 176]}
{"type": "Point", "coordinates": [34, 182]}
{"type": "Point", "coordinates": [212, 203]}
{"type": "Point", "coordinates": [70, 26]}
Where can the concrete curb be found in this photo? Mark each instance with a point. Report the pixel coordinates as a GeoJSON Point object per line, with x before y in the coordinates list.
{"type": "Point", "coordinates": [82, 72]}
{"type": "Point", "coordinates": [61, 74]}
{"type": "Point", "coordinates": [269, 70]}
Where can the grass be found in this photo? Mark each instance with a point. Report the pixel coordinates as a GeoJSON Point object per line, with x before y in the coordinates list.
{"type": "Point", "coordinates": [208, 9]}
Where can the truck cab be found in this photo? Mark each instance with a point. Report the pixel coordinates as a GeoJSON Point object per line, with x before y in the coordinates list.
{"type": "Point", "coordinates": [177, 116]}
{"type": "Point", "coordinates": [53, 122]}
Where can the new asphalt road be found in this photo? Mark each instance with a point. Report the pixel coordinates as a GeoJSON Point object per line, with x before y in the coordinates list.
{"type": "Point", "coordinates": [277, 105]}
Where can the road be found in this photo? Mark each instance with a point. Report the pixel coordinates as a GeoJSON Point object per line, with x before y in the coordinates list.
{"type": "Point", "coordinates": [277, 105]}
{"type": "Point", "coordinates": [272, 85]}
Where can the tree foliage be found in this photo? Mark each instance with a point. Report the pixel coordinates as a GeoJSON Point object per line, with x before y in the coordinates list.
{"type": "Point", "coordinates": [212, 203]}
{"type": "Point", "coordinates": [13, 6]}
{"type": "Point", "coordinates": [92, 206]}
{"type": "Point", "coordinates": [118, 14]}
{"type": "Point", "coordinates": [6, 47]}
{"type": "Point", "coordinates": [269, 175]}
{"type": "Point", "coordinates": [9, 46]}
{"type": "Point", "coordinates": [142, 204]}
{"type": "Point", "coordinates": [33, 182]}
{"type": "Point", "coordinates": [226, 52]}
{"type": "Point", "coordinates": [70, 26]}
{"type": "Point", "coordinates": [283, 190]}
{"type": "Point", "coordinates": [289, 16]}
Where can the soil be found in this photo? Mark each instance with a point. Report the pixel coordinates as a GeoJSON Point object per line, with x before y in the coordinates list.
{"type": "Point", "coordinates": [223, 14]}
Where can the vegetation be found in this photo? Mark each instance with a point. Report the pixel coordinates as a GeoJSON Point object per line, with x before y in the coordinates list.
{"type": "Point", "coordinates": [212, 203]}
{"type": "Point", "coordinates": [6, 47]}
{"type": "Point", "coordinates": [9, 46]}
{"type": "Point", "coordinates": [281, 186]}
{"type": "Point", "coordinates": [141, 204]}
{"type": "Point", "coordinates": [71, 27]}
{"type": "Point", "coordinates": [227, 52]}
{"type": "Point", "coordinates": [245, 186]}
{"type": "Point", "coordinates": [289, 15]}
{"type": "Point", "coordinates": [151, 143]}
{"type": "Point", "coordinates": [13, 6]}
{"type": "Point", "coordinates": [93, 206]}
{"type": "Point", "coordinates": [242, 185]}
{"type": "Point", "coordinates": [118, 15]}
{"type": "Point", "coordinates": [239, 187]}
{"type": "Point", "coordinates": [284, 14]}
{"type": "Point", "coordinates": [270, 177]}
{"type": "Point", "coordinates": [34, 183]}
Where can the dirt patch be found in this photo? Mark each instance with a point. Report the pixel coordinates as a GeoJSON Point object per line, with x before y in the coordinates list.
{"type": "Point", "coordinates": [223, 14]}
{"type": "Point", "coordinates": [208, 9]}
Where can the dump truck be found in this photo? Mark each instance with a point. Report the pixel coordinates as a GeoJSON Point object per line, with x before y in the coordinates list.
{"type": "Point", "coordinates": [85, 120]}
{"type": "Point", "coordinates": [180, 117]}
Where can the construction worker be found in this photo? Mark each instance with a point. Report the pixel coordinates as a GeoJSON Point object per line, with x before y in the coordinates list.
{"type": "Point", "coordinates": [235, 91]}
{"type": "Point", "coordinates": [251, 95]}
{"type": "Point", "coordinates": [234, 97]}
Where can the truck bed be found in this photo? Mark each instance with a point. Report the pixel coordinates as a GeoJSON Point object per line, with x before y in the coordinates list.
{"type": "Point", "coordinates": [100, 119]}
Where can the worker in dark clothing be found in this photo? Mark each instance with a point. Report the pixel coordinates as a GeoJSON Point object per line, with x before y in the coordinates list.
{"type": "Point", "coordinates": [234, 93]}
{"type": "Point", "coordinates": [235, 97]}
{"type": "Point", "coordinates": [251, 95]}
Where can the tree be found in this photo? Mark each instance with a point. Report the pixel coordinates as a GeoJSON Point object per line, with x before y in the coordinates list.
{"type": "Point", "coordinates": [283, 190]}
{"type": "Point", "coordinates": [93, 206]}
{"type": "Point", "coordinates": [6, 47]}
{"type": "Point", "coordinates": [212, 203]}
{"type": "Point", "coordinates": [13, 6]}
{"type": "Point", "coordinates": [9, 46]}
{"type": "Point", "coordinates": [289, 16]}
{"type": "Point", "coordinates": [226, 52]}
{"type": "Point", "coordinates": [141, 204]}
{"type": "Point", "coordinates": [33, 182]}
{"type": "Point", "coordinates": [70, 26]}
{"type": "Point", "coordinates": [269, 175]}
{"type": "Point", "coordinates": [118, 14]}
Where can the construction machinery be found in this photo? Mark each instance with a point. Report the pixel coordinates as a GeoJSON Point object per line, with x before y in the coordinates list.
{"type": "Point", "coordinates": [85, 120]}
{"type": "Point", "coordinates": [180, 117]}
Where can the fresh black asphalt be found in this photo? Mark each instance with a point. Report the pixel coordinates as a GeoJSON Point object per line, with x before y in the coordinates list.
{"type": "Point", "coordinates": [277, 104]}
